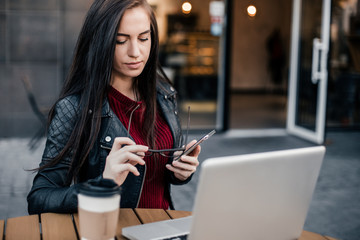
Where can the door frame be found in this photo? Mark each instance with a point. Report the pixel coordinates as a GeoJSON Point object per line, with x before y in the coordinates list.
{"type": "Point", "coordinates": [319, 74]}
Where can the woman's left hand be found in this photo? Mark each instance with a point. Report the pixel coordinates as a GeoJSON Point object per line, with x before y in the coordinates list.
{"type": "Point", "coordinates": [186, 165]}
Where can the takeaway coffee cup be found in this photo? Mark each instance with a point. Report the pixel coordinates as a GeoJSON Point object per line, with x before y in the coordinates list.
{"type": "Point", "coordinates": [98, 207]}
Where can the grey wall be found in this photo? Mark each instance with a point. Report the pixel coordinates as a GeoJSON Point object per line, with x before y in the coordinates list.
{"type": "Point", "coordinates": [37, 38]}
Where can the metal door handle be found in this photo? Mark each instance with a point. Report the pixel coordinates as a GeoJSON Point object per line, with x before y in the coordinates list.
{"type": "Point", "coordinates": [316, 74]}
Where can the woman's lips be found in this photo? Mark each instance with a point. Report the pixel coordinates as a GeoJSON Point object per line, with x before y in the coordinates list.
{"type": "Point", "coordinates": [134, 65]}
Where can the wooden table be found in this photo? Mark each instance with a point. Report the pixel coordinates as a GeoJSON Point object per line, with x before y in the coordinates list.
{"type": "Point", "coordinates": [65, 226]}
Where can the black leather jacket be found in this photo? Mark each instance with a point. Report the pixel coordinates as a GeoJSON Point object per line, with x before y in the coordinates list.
{"type": "Point", "coordinates": [50, 193]}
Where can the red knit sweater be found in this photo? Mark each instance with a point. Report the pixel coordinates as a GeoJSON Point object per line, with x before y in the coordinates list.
{"type": "Point", "coordinates": [154, 193]}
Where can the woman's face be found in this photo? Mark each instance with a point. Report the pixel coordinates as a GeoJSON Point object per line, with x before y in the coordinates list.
{"type": "Point", "coordinates": [133, 44]}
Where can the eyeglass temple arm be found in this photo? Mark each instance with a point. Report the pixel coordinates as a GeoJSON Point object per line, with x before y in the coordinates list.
{"type": "Point", "coordinates": [130, 118]}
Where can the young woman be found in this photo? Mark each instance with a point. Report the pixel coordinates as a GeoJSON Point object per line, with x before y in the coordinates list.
{"type": "Point", "coordinates": [116, 106]}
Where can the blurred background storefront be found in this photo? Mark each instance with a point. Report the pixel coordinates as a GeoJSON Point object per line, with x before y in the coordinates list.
{"type": "Point", "coordinates": [231, 61]}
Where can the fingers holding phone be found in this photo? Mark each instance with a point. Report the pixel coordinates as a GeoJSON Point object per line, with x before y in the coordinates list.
{"type": "Point", "coordinates": [186, 165]}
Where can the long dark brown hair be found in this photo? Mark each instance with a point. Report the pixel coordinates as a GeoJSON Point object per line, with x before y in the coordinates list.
{"type": "Point", "coordinates": [90, 77]}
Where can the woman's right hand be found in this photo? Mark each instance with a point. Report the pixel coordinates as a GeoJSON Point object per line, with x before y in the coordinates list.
{"type": "Point", "coordinates": [123, 157]}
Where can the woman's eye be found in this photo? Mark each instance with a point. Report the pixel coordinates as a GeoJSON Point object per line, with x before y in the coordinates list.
{"type": "Point", "coordinates": [143, 39]}
{"type": "Point", "coordinates": [120, 42]}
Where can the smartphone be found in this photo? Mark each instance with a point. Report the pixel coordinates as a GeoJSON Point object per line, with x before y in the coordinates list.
{"type": "Point", "coordinates": [202, 139]}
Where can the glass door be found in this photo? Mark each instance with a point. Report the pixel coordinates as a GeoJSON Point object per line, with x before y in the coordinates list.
{"type": "Point", "coordinates": [308, 69]}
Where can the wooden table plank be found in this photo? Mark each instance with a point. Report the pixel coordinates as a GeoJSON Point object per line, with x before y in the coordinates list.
{"type": "Point", "coordinates": [26, 227]}
{"type": "Point", "coordinates": [306, 235]}
{"type": "Point", "coordinates": [330, 238]}
{"type": "Point", "coordinates": [57, 226]}
{"type": "Point", "coordinates": [151, 215]}
{"type": "Point", "coordinates": [76, 221]}
{"type": "Point", "coordinates": [2, 224]}
{"type": "Point", "coordinates": [127, 217]}
{"type": "Point", "coordinates": [178, 214]}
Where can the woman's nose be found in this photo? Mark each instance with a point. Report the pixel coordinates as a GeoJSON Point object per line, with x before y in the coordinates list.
{"type": "Point", "coordinates": [134, 50]}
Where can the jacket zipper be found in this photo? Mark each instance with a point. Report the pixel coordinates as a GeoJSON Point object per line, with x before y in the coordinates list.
{"type": "Point", "coordinates": [142, 185]}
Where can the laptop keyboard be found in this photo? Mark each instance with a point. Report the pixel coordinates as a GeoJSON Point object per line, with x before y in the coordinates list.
{"type": "Point", "coordinates": [181, 237]}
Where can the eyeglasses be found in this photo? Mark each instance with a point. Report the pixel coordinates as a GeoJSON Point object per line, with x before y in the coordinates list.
{"type": "Point", "coordinates": [163, 152]}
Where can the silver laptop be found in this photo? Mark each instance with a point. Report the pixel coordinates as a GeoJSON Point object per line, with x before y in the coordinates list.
{"type": "Point", "coordinates": [253, 196]}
